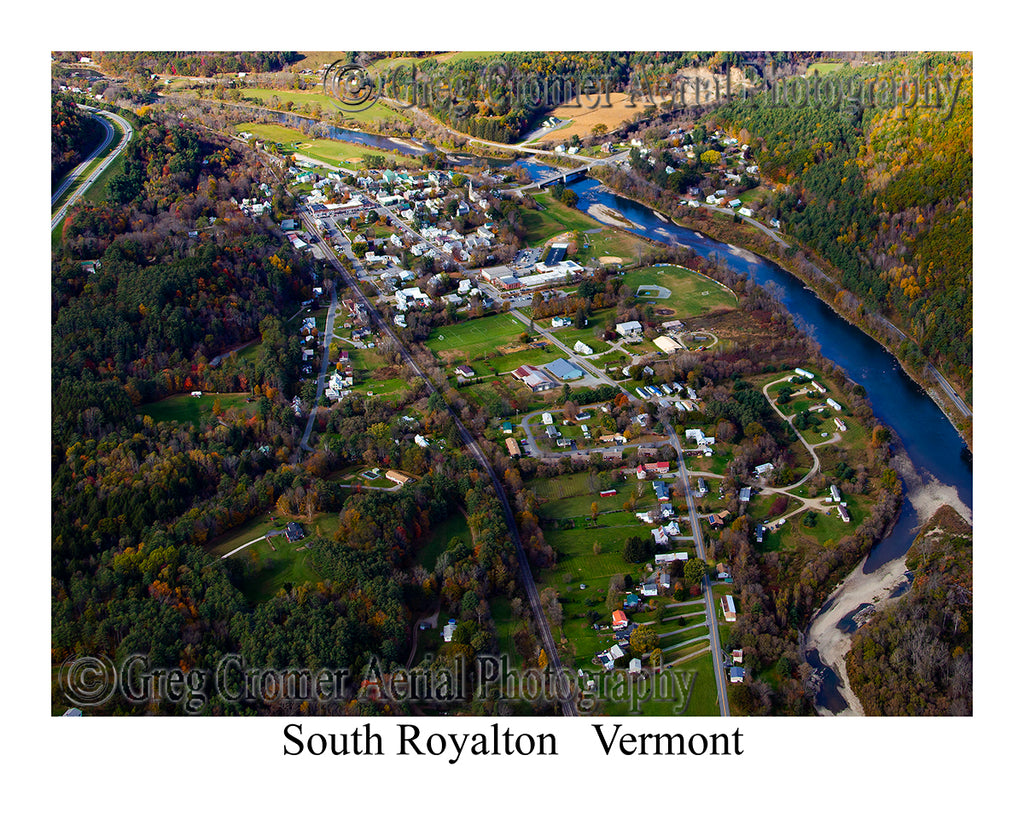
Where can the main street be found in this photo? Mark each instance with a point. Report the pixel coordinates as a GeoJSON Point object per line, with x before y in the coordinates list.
{"type": "Point", "coordinates": [568, 702]}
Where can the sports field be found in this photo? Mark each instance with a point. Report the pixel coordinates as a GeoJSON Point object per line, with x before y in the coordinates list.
{"type": "Point", "coordinates": [474, 339]}
{"type": "Point", "coordinates": [691, 293]}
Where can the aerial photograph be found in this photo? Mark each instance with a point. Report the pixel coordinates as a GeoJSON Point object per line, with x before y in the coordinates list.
{"type": "Point", "coordinates": [509, 384]}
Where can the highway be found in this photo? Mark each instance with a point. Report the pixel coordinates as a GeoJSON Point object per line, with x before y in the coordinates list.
{"type": "Point", "coordinates": [127, 134]}
{"type": "Point", "coordinates": [567, 703]}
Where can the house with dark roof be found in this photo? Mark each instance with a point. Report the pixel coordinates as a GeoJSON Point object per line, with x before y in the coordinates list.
{"type": "Point", "coordinates": [293, 532]}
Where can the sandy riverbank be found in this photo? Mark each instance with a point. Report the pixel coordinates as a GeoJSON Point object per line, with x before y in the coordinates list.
{"type": "Point", "coordinates": [831, 643]}
{"type": "Point", "coordinates": [609, 216]}
{"type": "Point", "coordinates": [926, 496]}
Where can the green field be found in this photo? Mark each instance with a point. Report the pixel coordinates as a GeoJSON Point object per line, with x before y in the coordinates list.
{"type": "Point", "coordinates": [271, 568]}
{"type": "Point", "coordinates": [473, 339]}
{"type": "Point", "coordinates": [824, 68]}
{"type": "Point", "coordinates": [555, 218]}
{"type": "Point", "coordinates": [306, 102]}
{"type": "Point", "coordinates": [274, 562]}
{"type": "Point", "coordinates": [590, 335]}
{"type": "Point", "coordinates": [330, 151]}
{"type": "Point", "coordinates": [184, 409]}
{"type": "Point", "coordinates": [692, 293]}
{"type": "Point", "coordinates": [99, 189]}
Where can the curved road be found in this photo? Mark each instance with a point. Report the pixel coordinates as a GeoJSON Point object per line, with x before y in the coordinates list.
{"type": "Point", "coordinates": [127, 133]}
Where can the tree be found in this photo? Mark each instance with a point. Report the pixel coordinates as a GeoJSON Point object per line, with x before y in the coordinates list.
{"type": "Point", "coordinates": [644, 639]}
{"type": "Point", "coordinates": [593, 511]}
{"type": "Point", "coordinates": [695, 572]}
{"type": "Point", "coordinates": [637, 549]}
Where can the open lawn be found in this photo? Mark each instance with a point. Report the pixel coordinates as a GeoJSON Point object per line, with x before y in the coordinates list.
{"type": "Point", "coordinates": [184, 409]}
{"type": "Point", "coordinates": [571, 496]}
{"type": "Point", "coordinates": [554, 218]}
{"type": "Point", "coordinates": [823, 68]}
{"type": "Point", "coordinates": [371, 374]}
{"type": "Point", "coordinates": [475, 338]}
{"type": "Point", "coordinates": [307, 102]}
{"type": "Point", "coordinates": [692, 293]}
{"type": "Point", "coordinates": [269, 564]}
{"type": "Point", "coordinates": [270, 568]}
{"type": "Point", "coordinates": [591, 336]}
{"type": "Point", "coordinates": [330, 151]}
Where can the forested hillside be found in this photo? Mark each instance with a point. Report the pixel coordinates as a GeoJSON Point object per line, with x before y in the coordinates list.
{"type": "Point", "coordinates": [193, 63]}
{"type": "Point", "coordinates": [915, 658]}
{"type": "Point", "coordinates": [884, 193]}
{"type": "Point", "coordinates": [73, 134]}
{"type": "Point", "coordinates": [148, 286]}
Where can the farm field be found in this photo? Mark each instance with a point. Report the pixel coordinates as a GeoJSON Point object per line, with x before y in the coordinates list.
{"type": "Point", "coordinates": [330, 151]}
{"type": "Point", "coordinates": [610, 110]}
{"type": "Point", "coordinates": [692, 294]}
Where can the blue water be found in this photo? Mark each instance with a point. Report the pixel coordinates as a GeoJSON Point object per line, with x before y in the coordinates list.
{"type": "Point", "coordinates": [932, 443]}
{"type": "Point", "coordinates": [410, 147]}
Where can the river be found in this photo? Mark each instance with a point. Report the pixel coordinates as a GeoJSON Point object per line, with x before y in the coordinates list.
{"type": "Point", "coordinates": [934, 462]}
{"type": "Point", "coordinates": [410, 147]}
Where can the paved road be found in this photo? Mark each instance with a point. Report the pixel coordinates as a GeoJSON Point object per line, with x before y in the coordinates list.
{"type": "Point", "coordinates": [78, 170]}
{"type": "Point", "coordinates": [321, 380]}
{"type": "Point", "coordinates": [709, 599]}
{"type": "Point", "coordinates": [127, 134]}
{"type": "Point", "coordinates": [568, 703]}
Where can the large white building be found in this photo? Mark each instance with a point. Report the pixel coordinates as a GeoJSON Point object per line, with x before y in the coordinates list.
{"type": "Point", "coordinates": [629, 328]}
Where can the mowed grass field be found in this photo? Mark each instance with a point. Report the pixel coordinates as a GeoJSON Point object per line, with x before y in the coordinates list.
{"type": "Point", "coordinates": [185, 409]}
{"type": "Point", "coordinates": [556, 217]}
{"type": "Point", "coordinates": [330, 151]}
{"type": "Point", "coordinates": [824, 68]}
{"type": "Point", "coordinates": [475, 338]}
{"type": "Point", "coordinates": [692, 293]}
{"type": "Point", "coordinates": [273, 562]}
{"type": "Point", "coordinates": [305, 101]}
